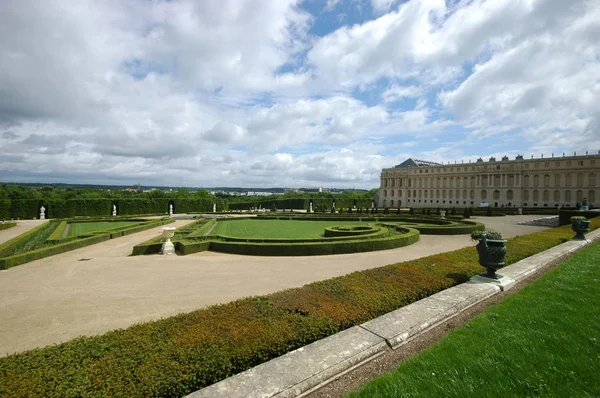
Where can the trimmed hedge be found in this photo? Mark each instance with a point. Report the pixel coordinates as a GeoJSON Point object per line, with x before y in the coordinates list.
{"type": "Point", "coordinates": [58, 232]}
{"type": "Point", "coordinates": [9, 257]}
{"type": "Point", "coordinates": [564, 216]}
{"type": "Point", "coordinates": [67, 208]}
{"type": "Point", "coordinates": [26, 257]}
{"type": "Point", "coordinates": [7, 225]}
{"type": "Point", "coordinates": [33, 237]}
{"type": "Point", "coordinates": [177, 355]}
{"type": "Point", "coordinates": [309, 248]}
{"type": "Point", "coordinates": [349, 231]}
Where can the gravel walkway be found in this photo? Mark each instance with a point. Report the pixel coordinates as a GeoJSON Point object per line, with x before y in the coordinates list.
{"type": "Point", "coordinates": [98, 288]}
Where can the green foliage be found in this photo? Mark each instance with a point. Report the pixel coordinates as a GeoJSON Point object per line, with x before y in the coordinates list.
{"type": "Point", "coordinates": [39, 242]}
{"type": "Point", "coordinates": [488, 211]}
{"type": "Point", "coordinates": [466, 213]}
{"type": "Point", "coordinates": [564, 216]}
{"type": "Point", "coordinates": [498, 354]}
{"type": "Point", "coordinates": [180, 354]}
{"type": "Point", "coordinates": [7, 225]}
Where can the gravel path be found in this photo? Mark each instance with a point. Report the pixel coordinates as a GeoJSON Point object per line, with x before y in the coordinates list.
{"type": "Point", "coordinates": [98, 288]}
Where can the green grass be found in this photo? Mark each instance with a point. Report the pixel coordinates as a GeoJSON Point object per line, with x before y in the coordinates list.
{"type": "Point", "coordinates": [79, 228]}
{"type": "Point", "coordinates": [276, 228]}
{"type": "Point", "coordinates": [542, 341]}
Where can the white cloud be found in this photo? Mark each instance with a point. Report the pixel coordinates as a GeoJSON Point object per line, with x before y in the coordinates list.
{"type": "Point", "coordinates": [156, 91]}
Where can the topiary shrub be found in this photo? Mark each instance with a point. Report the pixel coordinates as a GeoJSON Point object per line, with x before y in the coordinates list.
{"type": "Point", "coordinates": [438, 211]}
{"type": "Point", "coordinates": [466, 213]}
{"type": "Point", "coordinates": [488, 211]}
{"type": "Point", "coordinates": [453, 212]}
{"type": "Point", "coordinates": [386, 210]}
{"type": "Point", "coordinates": [411, 211]}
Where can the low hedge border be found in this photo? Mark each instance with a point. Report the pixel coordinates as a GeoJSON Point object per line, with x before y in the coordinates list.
{"type": "Point", "coordinates": [203, 228]}
{"type": "Point", "coordinates": [183, 353]}
{"type": "Point", "coordinates": [349, 231]}
{"type": "Point", "coordinates": [341, 245]}
{"type": "Point", "coordinates": [7, 246]}
{"type": "Point", "coordinates": [564, 216]}
{"type": "Point", "coordinates": [68, 244]}
{"type": "Point", "coordinates": [8, 262]}
{"type": "Point", "coordinates": [57, 235]}
{"type": "Point", "coordinates": [154, 245]}
{"type": "Point", "coordinates": [7, 225]}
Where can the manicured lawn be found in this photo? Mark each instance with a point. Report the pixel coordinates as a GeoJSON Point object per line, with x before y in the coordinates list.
{"type": "Point", "coordinates": [542, 341]}
{"type": "Point", "coordinates": [84, 227]}
{"type": "Point", "coordinates": [276, 228]}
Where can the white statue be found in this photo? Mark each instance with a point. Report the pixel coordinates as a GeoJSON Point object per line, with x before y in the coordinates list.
{"type": "Point", "coordinates": [42, 213]}
{"type": "Point", "coordinates": [310, 210]}
{"type": "Point", "coordinates": [114, 212]}
{"type": "Point", "coordinates": [171, 209]}
{"type": "Point", "coordinates": [214, 207]}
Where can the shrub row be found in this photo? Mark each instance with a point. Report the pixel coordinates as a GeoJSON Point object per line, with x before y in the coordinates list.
{"type": "Point", "coordinates": [202, 228]}
{"type": "Point", "coordinates": [177, 355]}
{"type": "Point", "coordinates": [30, 239]}
{"type": "Point", "coordinates": [33, 255]}
{"type": "Point", "coordinates": [7, 225]}
{"type": "Point", "coordinates": [14, 252]}
{"type": "Point", "coordinates": [564, 216]}
{"type": "Point", "coordinates": [154, 245]}
{"type": "Point", "coordinates": [310, 248]}
{"type": "Point", "coordinates": [58, 232]}
{"type": "Point", "coordinates": [349, 231]}
{"type": "Point", "coordinates": [59, 208]}
{"type": "Point", "coordinates": [318, 203]}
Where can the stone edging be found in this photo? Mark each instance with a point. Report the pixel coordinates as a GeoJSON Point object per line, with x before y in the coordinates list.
{"type": "Point", "coordinates": [301, 370]}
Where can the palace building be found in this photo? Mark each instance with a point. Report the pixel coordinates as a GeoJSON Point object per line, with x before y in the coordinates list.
{"type": "Point", "coordinates": [543, 182]}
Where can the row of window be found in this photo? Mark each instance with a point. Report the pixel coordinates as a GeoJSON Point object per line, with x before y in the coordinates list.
{"type": "Point", "coordinates": [496, 195]}
{"type": "Point", "coordinates": [496, 181]}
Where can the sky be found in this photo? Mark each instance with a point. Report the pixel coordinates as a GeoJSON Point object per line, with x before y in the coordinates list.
{"type": "Point", "coordinates": [289, 93]}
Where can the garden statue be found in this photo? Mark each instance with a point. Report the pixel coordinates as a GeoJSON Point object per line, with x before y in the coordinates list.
{"type": "Point", "coordinates": [214, 207]}
{"type": "Point", "coordinates": [42, 213]}
{"type": "Point", "coordinates": [171, 209]}
{"type": "Point", "coordinates": [310, 207]}
{"type": "Point", "coordinates": [114, 211]}
{"type": "Point", "coordinates": [584, 205]}
{"type": "Point", "coordinates": [443, 213]}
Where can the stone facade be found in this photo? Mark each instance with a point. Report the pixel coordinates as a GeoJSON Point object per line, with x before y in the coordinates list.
{"type": "Point", "coordinates": [543, 182]}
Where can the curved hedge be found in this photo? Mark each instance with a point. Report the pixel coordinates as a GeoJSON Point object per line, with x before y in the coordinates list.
{"type": "Point", "coordinates": [406, 237]}
{"type": "Point", "coordinates": [343, 230]}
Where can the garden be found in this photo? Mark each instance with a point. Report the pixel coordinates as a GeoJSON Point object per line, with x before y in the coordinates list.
{"type": "Point", "coordinates": [180, 354]}
{"type": "Point", "coordinates": [305, 235]}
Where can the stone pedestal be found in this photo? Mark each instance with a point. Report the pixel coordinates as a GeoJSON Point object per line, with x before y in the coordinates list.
{"type": "Point", "coordinates": [168, 247]}
{"type": "Point", "coordinates": [42, 213]}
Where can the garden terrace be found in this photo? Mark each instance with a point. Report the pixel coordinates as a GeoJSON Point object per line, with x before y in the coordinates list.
{"type": "Point", "coordinates": [179, 354]}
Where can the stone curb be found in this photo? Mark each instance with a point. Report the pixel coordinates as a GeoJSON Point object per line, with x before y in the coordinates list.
{"type": "Point", "coordinates": [301, 370]}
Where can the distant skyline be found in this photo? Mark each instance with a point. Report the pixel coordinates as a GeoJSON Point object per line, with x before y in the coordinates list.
{"type": "Point", "coordinates": [289, 93]}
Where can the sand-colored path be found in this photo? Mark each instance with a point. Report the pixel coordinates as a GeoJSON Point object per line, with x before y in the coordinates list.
{"type": "Point", "coordinates": [21, 227]}
{"type": "Point", "coordinates": [99, 288]}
